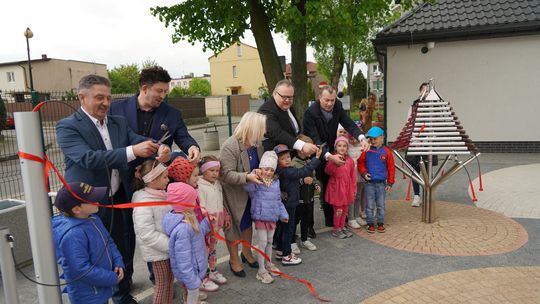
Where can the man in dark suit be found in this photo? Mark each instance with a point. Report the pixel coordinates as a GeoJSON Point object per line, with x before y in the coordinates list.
{"type": "Point", "coordinates": [321, 122]}
{"type": "Point", "coordinates": [98, 149]}
{"type": "Point", "coordinates": [282, 126]}
{"type": "Point", "coordinates": [149, 116]}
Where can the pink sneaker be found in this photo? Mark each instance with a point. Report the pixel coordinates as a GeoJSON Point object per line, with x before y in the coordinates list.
{"type": "Point", "coordinates": [208, 285]}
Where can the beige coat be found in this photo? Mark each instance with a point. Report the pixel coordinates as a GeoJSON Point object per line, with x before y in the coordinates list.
{"type": "Point", "coordinates": [234, 169]}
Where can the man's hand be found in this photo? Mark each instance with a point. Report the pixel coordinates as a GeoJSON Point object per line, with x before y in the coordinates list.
{"type": "Point", "coordinates": [285, 221]}
{"type": "Point", "coordinates": [336, 159]}
{"type": "Point", "coordinates": [145, 148]}
{"type": "Point", "coordinates": [319, 152]}
{"type": "Point", "coordinates": [119, 272]}
{"type": "Point", "coordinates": [367, 176]}
{"type": "Point", "coordinates": [252, 177]}
{"type": "Point", "coordinates": [365, 145]}
{"type": "Point", "coordinates": [308, 180]}
{"type": "Point", "coordinates": [164, 154]}
{"type": "Point", "coordinates": [309, 149]}
{"type": "Point", "coordinates": [388, 188]}
{"type": "Point", "coordinates": [193, 154]}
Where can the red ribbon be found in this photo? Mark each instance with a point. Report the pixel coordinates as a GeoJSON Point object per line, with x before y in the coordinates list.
{"type": "Point", "coordinates": [48, 165]}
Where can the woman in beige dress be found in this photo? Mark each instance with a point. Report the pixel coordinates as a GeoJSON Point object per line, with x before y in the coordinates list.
{"type": "Point", "coordinates": [240, 155]}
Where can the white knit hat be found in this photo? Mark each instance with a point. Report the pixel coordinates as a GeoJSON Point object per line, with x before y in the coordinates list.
{"type": "Point", "coordinates": [268, 160]}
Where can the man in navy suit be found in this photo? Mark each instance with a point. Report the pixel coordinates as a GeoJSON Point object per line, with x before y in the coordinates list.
{"type": "Point", "coordinates": [149, 116]}
{"type": "Point", "coordinates": [98, 149]}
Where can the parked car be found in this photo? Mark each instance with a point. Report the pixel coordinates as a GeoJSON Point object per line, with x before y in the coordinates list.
{"type": "Point", "coordinates": [10, 122]}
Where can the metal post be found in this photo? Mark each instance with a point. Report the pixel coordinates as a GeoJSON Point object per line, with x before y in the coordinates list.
{"type": "Point", "coordinates": [29, 141]}
{"type": "Point", "coordinates": [7, 265]}
{"type": "Point", "coordinates": [29, 61]}
{"type": "Point", "coordinates": [229, 117]}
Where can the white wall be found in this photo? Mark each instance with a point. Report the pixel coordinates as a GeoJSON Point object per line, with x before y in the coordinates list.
{"type": "Point", "coordinates": [216, 106]}
{"type": "Point", "coordinates": [492, 84]}
{"type": "Point", "coordinates": [18, 85]}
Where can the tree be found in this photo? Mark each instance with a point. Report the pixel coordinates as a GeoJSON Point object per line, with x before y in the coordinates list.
{"type": "Point", "coordinates": [178, 92]}
{"type": "Point", "coordinates": [358, 87]}
{"type": "Point", "coordinates": [148, 63]}
{"type": "Point", "coordinates": [124, 79]}
{"type": "Point", "coordinates": [199, 87]}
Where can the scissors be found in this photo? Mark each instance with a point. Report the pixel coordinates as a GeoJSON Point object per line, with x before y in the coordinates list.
{"type": "Point", "coordinates": [163, 138]}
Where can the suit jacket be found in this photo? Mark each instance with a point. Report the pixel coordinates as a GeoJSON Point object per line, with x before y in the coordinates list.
{"type": "Point", "coordinates": [279, 129]}
{"type": "Point", "coordinates": [165, 115]}
{"type": "Point", "coordinates": [86, 157]}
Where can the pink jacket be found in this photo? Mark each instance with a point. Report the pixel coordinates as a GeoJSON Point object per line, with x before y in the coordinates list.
{"type": "Point", "coordinates": [341, 188]}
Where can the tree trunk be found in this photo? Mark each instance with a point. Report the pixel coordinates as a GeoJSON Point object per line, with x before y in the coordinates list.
{"type": "Point", "coordinates": [298, 64]}
{"type": "Point", "coordinates": [260, 27]}
{"type": "Point", "coordinates": [337, 66]}
{"type": "Point", "coordinates": [349, 66]}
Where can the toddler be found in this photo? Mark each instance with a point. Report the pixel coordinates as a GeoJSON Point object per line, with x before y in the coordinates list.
{"type": "Point", "coordinates": [341, 188]}
{"type": "Point", "coordinates": [189, 258]}
{"type": "Point", "coordinates": [211, 198]}
{"type": "Point", "coordinates": [91, 261]}
{"type": "Point", "coordinates": [377, 167]}
{"type": "Point", "coordinates": [150, 183]}
{"type": "Point", "coordinates": [266, 210]}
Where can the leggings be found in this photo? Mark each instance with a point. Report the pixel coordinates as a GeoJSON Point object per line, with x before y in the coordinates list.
{"type": "Point", "coordinates": [163, 290]}
{"type": "Point", "coordinates": [340, 213]}
{"type": "Point", "coordinates": [264, 242]}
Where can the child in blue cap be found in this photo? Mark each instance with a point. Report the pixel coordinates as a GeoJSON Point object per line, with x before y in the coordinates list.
{"type": "Point", "coordinates": [91, 262]}
{"type": "Point", "coordinates": [377, 167]}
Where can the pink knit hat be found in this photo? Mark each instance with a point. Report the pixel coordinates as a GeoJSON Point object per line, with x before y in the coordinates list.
{"type": "Point", "coordinates": [180, 169]}
{"type": "Point", "coordinates": [341, 138]}
{"type": "Point", "coordinates": [181, 193]}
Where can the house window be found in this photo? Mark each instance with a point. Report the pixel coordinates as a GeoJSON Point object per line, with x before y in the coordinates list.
{"type": "Point", "coordinates": [239, 50]}
{"type": "Point", "coordinates": [185, 83]}
{"type": "Point", "coordinates": [375, 68]}
{"type": "Point", "coordinates": [377, 85]}
{"type": "Point", "coordinates": [234, 71]}
{"type": "Point", "coordinates": [10, 76]}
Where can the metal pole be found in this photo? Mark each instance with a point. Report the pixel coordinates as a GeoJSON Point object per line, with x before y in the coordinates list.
{"type": "Point", "coordinates": [7, 265]}
{"type": "Point", "coordinates": [29, 64]}
{"type": "Point", "coordinates": [229, 118]}
{"type": "Point", "coordinates": [29, 141]}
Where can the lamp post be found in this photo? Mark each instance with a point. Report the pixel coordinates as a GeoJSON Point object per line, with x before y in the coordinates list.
{"type": "Point", "coordinates": [28, 34]}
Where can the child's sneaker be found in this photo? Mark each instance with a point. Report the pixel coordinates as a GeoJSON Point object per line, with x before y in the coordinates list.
{"type": "Point", "coordinates": [380, 228]}
{"type": "Point", "coordinates": [347, 232]}
{"type": "Point", "coordinates": [217, 277]}
{"type": "Point", "coordinates": [353, 224]}
{"type": "Point", "coordinates": [291, 260]}
{"type": "Point", "coordinates": [338, 234]}
{"type": "Point", "coordinates": [264, 277]}
{"type": "Point", "coordinates": [279, 255]}
{"type": "Point", "coordinates": [371, 228]}
{"type": "Point", "coordinates": [416, 201]}
{"type": "Point", "coordinates": [295, 249]}
{"type": "Point", "coordinates": [202, 296]}
{"type": "Point", "coordinates": [272, 267]}
{"type": "Point", "coordinates": [208, 285]}
{"type": "Point", "coordinates": [309, 245]}
{"type": "Point", "coordinates": [361, 221]}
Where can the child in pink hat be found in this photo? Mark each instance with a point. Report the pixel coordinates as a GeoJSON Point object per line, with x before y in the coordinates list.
{"type": "Point", "coordinates": [187, 250]}
{"type": "Point", "coordinates": [341, 188]}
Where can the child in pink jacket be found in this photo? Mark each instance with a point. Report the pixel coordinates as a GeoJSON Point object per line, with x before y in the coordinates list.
{"type": "Point", "coordinates": [341, 188]}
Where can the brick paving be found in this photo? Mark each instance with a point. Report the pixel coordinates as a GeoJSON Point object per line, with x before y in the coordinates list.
{"type": "Point", "coordinates": [513, 191]}
{"type": "Point", "coordinates": [459, 230]}
{"type": "Point", "coordinates": [482, 285]}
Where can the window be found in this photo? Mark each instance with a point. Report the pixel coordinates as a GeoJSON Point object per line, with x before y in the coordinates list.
{"type": "Point", "coordinates": [234, 71]}
{"type": "Point", "coordinates": [10, 76]}
{"type": "Point", "coordinates": [239, 50]}
{"type": "Point", "coordinates": [377, 85]}
{"type": "Point", "coordinates": [375, 68]}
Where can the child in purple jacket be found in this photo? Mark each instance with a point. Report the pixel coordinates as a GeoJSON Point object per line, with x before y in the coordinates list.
{"type": "Point", "coordinates": [187, 250]}
{"type": "Point", "coordinates": [266, 210]}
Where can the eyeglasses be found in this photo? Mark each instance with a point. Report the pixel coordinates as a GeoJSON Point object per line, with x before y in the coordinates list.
{"type": "Point", "coordinates": [285, 97]}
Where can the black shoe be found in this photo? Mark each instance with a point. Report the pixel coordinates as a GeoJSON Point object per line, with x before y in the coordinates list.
{"type": "Point", "coordinates": [241, 273]}
{"type": "Point", "coordinates": [244, 260]}
{"type": "Point", "coordinates": [311, 233]}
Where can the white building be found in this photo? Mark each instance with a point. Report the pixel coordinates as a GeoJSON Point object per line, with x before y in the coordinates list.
{"type": "Point", "coordinates": [185, 81]}
{"type": "Point", "coordinates": [484, 57]}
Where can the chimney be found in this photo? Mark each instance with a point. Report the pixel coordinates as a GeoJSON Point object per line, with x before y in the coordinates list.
{"type": "Point", "coordinates": [44, 57]}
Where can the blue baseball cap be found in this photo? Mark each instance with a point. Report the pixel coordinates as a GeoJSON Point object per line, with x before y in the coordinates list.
{"type": "Point", "coordinates": [375, 132]}
{"type": "Point", "coordinates": [65, 201]}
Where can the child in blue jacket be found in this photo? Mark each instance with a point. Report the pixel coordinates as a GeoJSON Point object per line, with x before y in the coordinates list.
{"type": "Point", "coordinates": [266, 210]}
{"type": "Point", "coordinates": [91, 262]}
{"type": "Point", "coordinates": [289, 179]}
{"type": "Point", "coordinates": [187, 250]}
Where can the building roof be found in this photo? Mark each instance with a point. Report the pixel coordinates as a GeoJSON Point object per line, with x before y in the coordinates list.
{"type": "Point", "coordinates": [463, 19]}
{"type": "Point", "coordinates": [44, 58]}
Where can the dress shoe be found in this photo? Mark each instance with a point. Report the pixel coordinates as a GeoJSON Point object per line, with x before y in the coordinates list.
{"type": "Point", "coordinates": [244, 260]}
{"type": "Point", "coordinates": [241, 273]}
